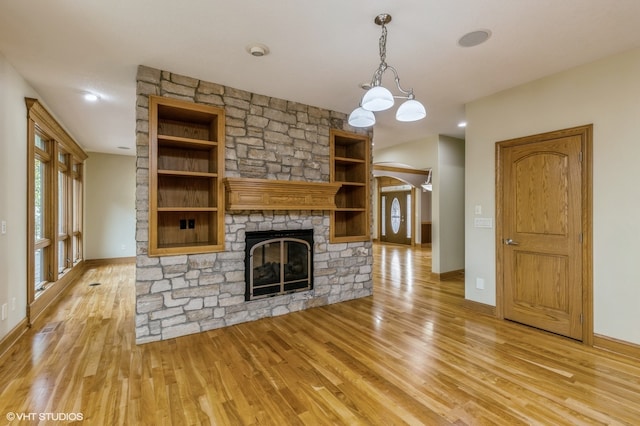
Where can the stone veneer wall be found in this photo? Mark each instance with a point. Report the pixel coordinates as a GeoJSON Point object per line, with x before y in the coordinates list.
{"type": "Point", "coordinates": [266, 138]}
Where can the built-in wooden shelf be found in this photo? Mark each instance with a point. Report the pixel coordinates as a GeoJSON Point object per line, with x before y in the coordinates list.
{"type": "Point", "coordinates": [186, 164]}
{"type": "Point", "coordinates": [187, 209]}
{"type": "Point", "coordinates": [268, 194]}
{"type": "Point", "coordinates": [181, 142]}
{"type": "Point", "coordinates": [349, 161]}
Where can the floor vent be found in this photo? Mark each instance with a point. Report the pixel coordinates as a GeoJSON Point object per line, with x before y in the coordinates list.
{"type": "Point", "coordinates": [49, 328]}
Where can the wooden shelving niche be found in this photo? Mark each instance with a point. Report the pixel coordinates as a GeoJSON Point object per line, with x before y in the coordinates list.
{"type": "Point", "coordinates": [186, 168]}
{"type": "Point", "coordinates": [349, 161]}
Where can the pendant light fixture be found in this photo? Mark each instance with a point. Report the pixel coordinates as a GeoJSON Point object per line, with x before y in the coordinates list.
{"type": "Point", "coordinates": [379, 98]}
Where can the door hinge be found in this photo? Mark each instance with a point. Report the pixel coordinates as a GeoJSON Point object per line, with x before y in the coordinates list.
{"type": "Point", "coordinates": [581, 318]}
{"type": "Point", "coordinates": [580, 237]}
{"type": "Point", "coordinates": [580, 157]}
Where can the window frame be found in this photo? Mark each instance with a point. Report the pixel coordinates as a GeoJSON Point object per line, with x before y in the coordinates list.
{"type": "Point", "coordinates": [63, 212]}
{"type": "Point", "coordinates": [77, 188]}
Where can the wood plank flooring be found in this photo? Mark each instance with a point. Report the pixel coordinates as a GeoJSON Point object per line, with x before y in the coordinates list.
{"type": "Point", "coordinates": [411, 354]}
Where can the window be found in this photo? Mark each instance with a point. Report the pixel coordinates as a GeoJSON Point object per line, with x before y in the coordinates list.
{"type": "Point", "coordinates": [65, 200]}
{"type": "Point", "coordinates": [76, 220]}
{"type": "Point", "coordinates": [42, 198]}
{"type": "Point", "coordinates": [55, 209]}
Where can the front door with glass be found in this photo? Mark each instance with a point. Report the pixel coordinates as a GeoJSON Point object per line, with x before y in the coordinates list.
{"type": "Point", "coordinates": [395, 217]}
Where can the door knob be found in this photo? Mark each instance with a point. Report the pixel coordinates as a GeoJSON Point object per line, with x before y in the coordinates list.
{"type": "Point", "coordinates": [510, 242]}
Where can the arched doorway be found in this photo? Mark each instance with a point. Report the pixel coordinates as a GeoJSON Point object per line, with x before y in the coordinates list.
{"type": "Point", "coordinates": [411, 213]}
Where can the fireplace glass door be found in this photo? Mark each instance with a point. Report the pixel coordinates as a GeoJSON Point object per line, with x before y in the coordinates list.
{"type": "Point", "coordinates": [279, 266]}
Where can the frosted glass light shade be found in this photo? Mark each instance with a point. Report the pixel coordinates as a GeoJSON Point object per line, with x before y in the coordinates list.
{"type": "Point", "coordinates": [360, 117]}
{"type": "Point", "coordinates": [411, 110]}
{"type": "Point", "coordinates": [377, 99]}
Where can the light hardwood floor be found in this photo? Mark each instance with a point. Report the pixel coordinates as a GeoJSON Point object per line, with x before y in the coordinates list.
{"type": "Point", "coordinates": [410, 354]}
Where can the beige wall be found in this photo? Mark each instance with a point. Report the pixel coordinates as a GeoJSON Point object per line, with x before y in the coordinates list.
{"type": "Point", "coordinates": [110, 206]}
{"type": "Point", "coordinates": [13, 193]}
{"type": "Point", "coordinates": [419, 154]}
{"type": "Point", "coordinates": [448, 207]}
{"type": "Point", "coordinates": [607, 94]}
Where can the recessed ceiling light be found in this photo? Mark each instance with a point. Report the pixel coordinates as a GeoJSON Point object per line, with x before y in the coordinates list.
{"type": "Point", "coordinates": [462, 124]}
{"type": "Point", "coordinates": [91, 97]}
{"type": "Point", "coordinates": [474, 38]}
{"type": "Point", "coordinates": [257, 49]}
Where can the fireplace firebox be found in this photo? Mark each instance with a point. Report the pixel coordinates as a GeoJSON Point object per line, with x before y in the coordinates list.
{"type": "Point", "coordinates": [278, 262]}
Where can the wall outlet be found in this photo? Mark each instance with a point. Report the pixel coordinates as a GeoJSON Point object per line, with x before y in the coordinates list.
{"type": "Point", "coordinates": [4, 311]}
{"type": "Point", "coordinates": [480, 283]}
{"type": "Point", "coordinates": [123, 247]}
{"type": "Point", "coordinates": [477, 209]}
{"type": "Point", "coordinates": [3, 227]}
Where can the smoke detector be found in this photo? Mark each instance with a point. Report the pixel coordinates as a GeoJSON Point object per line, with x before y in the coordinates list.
{"type": "Point", "coordinates": [257, 50]}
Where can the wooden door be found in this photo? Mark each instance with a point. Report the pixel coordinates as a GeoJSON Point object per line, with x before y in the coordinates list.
{"type": "Point", "coordinates": [396, 207]}
{"type": "Point", "coordinates": [541, 193]}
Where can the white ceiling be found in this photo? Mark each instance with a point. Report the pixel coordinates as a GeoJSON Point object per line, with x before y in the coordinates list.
{"type": "Point", "coordinates": [320, 52]}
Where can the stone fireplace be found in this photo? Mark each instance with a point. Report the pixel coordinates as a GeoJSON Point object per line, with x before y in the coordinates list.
{"type": "Point", "coordinates": [267, 139]}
